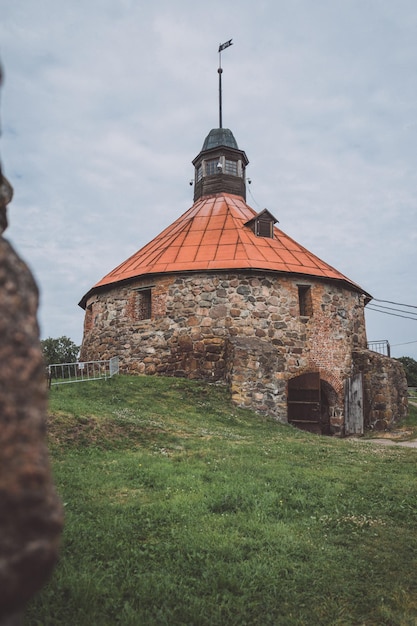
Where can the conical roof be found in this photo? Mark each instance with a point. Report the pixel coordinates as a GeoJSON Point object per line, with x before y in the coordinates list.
{"type": "Point", "coordinates": [214, 235]}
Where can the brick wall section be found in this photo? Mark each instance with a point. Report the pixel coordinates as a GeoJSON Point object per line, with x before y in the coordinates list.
{"type": "Point", "coordinates": [200, 322]}
{"type": "Point", "coordinates": [384, 388]}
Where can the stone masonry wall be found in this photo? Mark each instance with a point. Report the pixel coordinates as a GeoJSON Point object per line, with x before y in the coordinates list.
{"type": "Point", "coordinates": [256, 376]}
{"type": "Point", "coordinates": [198, 318]}
{"type": "Point", "coordinates": [384, 389]}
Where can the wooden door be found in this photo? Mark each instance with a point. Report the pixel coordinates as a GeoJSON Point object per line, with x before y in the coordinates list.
{"type": "Point", "coordinates": [354, 405]}
{"type": "Point", "coordinates": [304, 402]}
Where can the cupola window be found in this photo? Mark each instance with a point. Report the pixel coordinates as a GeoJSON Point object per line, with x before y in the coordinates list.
{"type": "Point", "coordinates": [230, 167]}
{"type": "Point", "coordinates": [199, 172]}
{"type": "Point", "coordinates": [212, 167]}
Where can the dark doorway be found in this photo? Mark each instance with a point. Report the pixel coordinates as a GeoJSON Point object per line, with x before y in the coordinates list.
{"type": "Point", "coordinates": [308, 403]}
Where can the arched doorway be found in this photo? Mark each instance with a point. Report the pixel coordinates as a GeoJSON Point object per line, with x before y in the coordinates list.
{"type": "Point", "coordinates": [309, 399]}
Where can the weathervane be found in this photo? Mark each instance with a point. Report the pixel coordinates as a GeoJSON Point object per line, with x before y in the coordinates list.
{"type": "Point", "coordinates": [222, 46]}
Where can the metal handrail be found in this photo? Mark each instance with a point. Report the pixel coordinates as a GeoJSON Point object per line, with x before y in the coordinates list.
{"type": "Point", "coordinates": [81, 371]}
{"type": "Point", "coordinates": [382, 347]}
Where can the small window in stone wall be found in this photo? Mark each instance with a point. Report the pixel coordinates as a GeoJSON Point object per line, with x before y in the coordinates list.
{"type": "Point", "coordinates": [88, 320]}
{"type": "Point", "coordinates": [305, 301]}
{"type": "Point", "coordinates": [144, 304]}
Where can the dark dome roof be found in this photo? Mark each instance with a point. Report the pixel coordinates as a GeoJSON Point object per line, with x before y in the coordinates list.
{"type": "Point", "coordinates": [219, 137]}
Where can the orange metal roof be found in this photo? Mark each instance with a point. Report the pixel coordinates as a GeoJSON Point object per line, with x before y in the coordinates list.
{"type": "Point", "coordinates": [212, 235]}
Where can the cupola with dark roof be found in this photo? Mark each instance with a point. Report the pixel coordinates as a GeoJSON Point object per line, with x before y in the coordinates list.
{"type": "Point", "coordinates": [220, 166]}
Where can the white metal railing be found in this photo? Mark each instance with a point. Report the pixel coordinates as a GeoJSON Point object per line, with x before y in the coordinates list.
{"type": "Point", "coordinates": [382, 347]}
{"type": "Point", "coordinates": [61, 373]}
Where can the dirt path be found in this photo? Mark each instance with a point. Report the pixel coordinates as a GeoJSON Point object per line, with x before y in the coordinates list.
{"type": "Point", "coordinates": [390, 442]}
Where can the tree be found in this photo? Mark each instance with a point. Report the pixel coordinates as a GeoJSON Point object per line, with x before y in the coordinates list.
{"type": "Point", "coordinates": [60, 350]}
{"type": "Point", "coordinates": [410, 366]}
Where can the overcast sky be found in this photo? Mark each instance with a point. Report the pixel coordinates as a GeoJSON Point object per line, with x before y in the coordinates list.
{"type": "Point", "coordinates": [106, 102]}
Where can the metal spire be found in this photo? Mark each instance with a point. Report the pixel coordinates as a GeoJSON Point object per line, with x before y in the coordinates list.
{"type": "Point", "coordinates": [222, 46]}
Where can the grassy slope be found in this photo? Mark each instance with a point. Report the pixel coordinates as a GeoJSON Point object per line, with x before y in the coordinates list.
{"type": "Point", "coordinates": [182, 509]}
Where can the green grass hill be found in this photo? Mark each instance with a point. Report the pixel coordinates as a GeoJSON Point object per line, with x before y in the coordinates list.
{"type": "Point", "coordinates": [181, 509]}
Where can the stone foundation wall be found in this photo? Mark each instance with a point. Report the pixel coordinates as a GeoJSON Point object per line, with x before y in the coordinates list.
{"type": "Point", "coordinates": [385, 389]}
{"type": "Point", "coordinates": [256, 377]}
{"type": "Point", "coordinates": [258, 380]}
{"type": "Point", "coordinates": [203, 323]}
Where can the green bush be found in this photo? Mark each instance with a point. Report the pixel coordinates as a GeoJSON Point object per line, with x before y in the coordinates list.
{"type": "Point", "coordinates": [410, 366]}
{"type": "Point", "coordinates": [60, 350]}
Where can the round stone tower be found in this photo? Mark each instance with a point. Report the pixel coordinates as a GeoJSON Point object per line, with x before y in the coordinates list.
{"type": "Point", "coordinates": [223, 294]}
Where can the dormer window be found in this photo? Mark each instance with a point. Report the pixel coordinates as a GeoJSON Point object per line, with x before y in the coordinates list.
{"type": "Point", "coordinates": [262, 225]}
{"type": "Point", "coordinates": [264, 228]}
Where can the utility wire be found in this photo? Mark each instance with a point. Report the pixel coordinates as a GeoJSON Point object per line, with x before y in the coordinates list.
{"type": "Point", "coordinates": [394, 345]}
{"type": "Point", "coordinates": [369, 308]}
{"type": "Point", "coordinates": [412, 306]}
{"type": "Point", "coordinates": [390, 308]}
{"type": "Point", "coordinates": [387, 310]}
{"type": "Point", "coordinates": [251, 195]}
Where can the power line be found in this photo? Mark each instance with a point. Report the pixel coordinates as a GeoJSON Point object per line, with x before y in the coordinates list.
{"type": "Point", "coordinates": [369, 308]}
{"type": "Point", "coordinates": [412, 306]}
{"type": "Point", "coordinates": [390, 308]}
{"type": "Point", "coordinates": [398, 313]}
{"type": "Point", "coordinates": [251, 195]}
{"type": "Point", "coordinates": [394, 345]}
